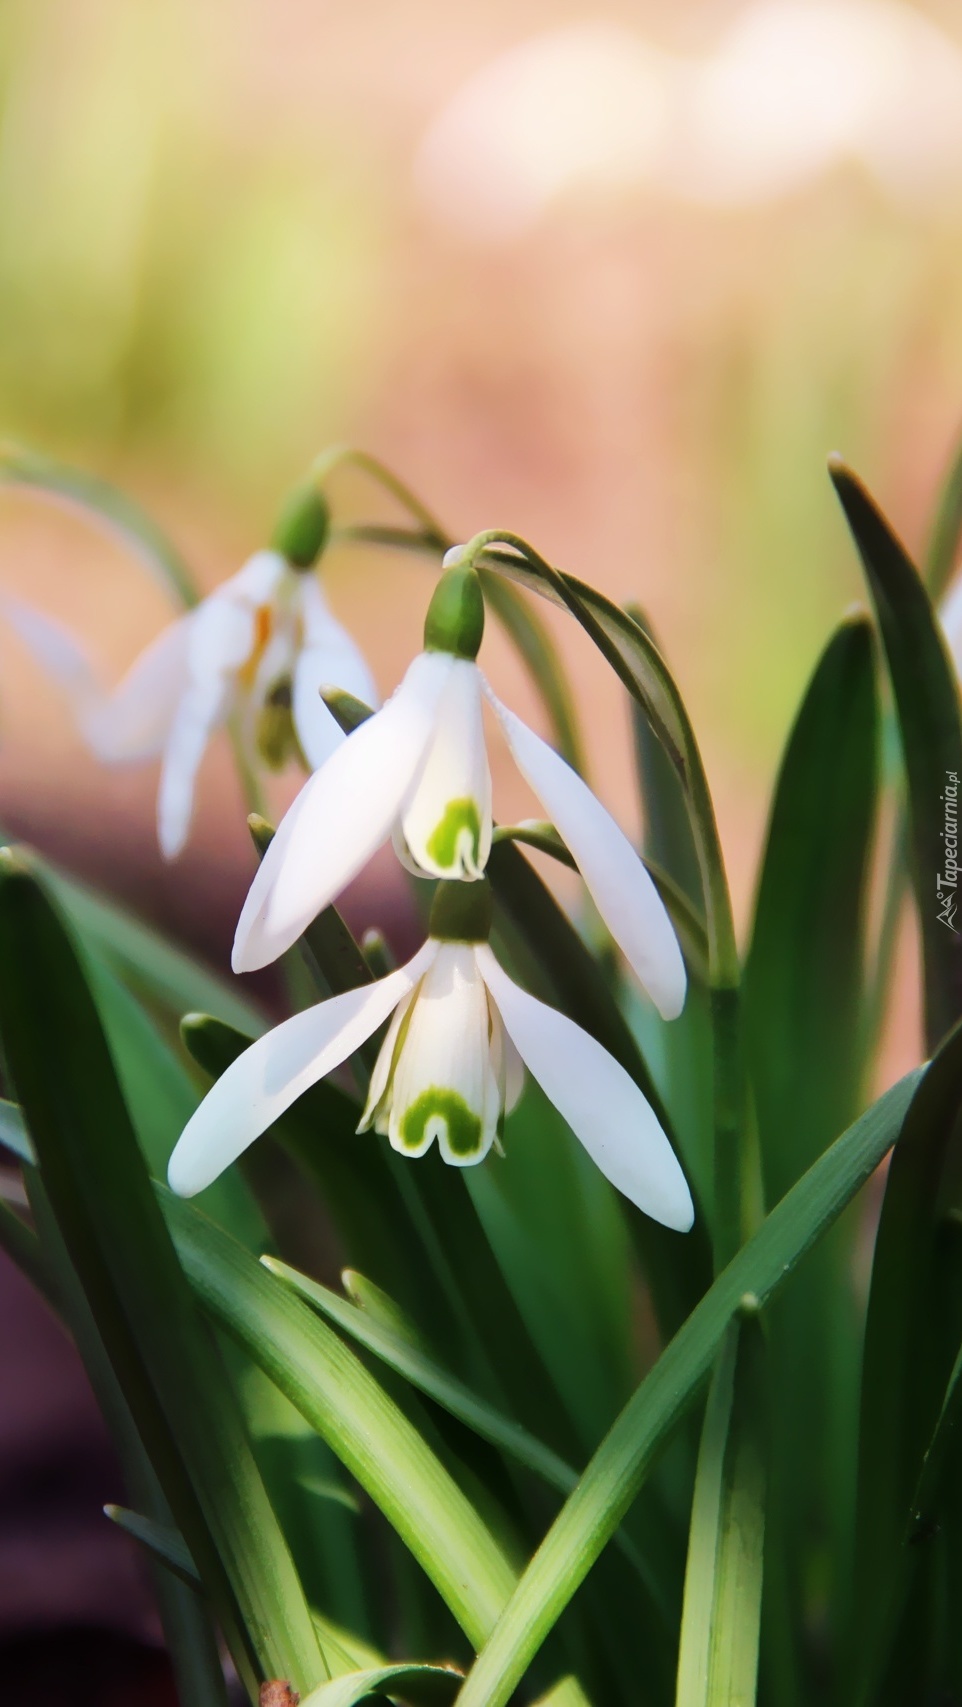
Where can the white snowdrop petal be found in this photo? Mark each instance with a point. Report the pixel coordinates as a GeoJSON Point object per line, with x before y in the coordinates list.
{"type": "Point", "coordinates": [950, 616]}
{"type": "Point", "coordinates": [444, 1086]}
{"type": "Point", "coordinates": [340, 661]}
{"type": "Point", "coordinates": [274, 1072]}
{"type": "Point", "coordinates": [341, 816]}
{"type": "Point", "coordinates": [135, 721]}
{"type": "Point", "coordinates": [202, 708]}
{"type": "Point", "coordinates": [620, 887]}
{"type": "Point", "coordinates": [382, 1066]}
{"type": "Point", "coordinates": [603, 1106]}
{"type": "Point", "coordinates": [224, 635]}
{"type": "Point", "coordinates": [263, 579]}
{"type": "Point", "coordinates": [56, 650]}
{"type": "Point", "coordinates": [446, 819]}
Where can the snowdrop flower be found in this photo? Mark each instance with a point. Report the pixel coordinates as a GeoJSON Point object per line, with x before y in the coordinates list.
{"type": "Point", "coordinates": [451, 1064]}
{"type": "Point", "coordinates": [418, 769]}
{"type": "Point", "coordinates": [261, 647]}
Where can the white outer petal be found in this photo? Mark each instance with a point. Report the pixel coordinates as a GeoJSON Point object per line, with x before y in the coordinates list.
{"type": "Point", "coordinates": [57, 651]}
{"type": "Point", "coordinates": [950, 616]}
{"type": "Point", "coordinates": [620, 887]}
{"type": "Point", "coordinates": [135, 721]}
{"type": "Point", "coordinates": [341, 816]}
{"type": "Point", "coordinates": [222, 635]}
{"type": "Point", "coordinates": [262, 580]}
{"type": "Point", "coordinates": [275, 1071]}
{"type": "Point", "coordinates": [203, 707]}
{"type": "Point", "coordinates": [446, 1048]}
{"type": "Point", "coordinates": [339, 655]}
{"type": "Point", "coordinates": [602, 1105]}
{"type": "Point", "coordinates": [455, 769]}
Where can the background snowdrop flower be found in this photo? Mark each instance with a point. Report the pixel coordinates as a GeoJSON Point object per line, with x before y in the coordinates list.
{"type": "Point", "coordinates": [418, 769]}
{"type": "Point", "coordinates": [451, 1064]}
{"type": "Point", "coordinates": [261, 647]}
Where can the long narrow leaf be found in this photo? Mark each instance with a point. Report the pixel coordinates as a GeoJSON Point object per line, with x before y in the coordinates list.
{"type": "Point", "coordinates": [421, 1686]}
{"type": "Point", "coordinates": [718, 1653]}
{"type": "Point", "coordinates": [911, 1337]}
{"type": "Point", "coordinates": [618, 1469]}
{"type": "Point", "coordinates": [927, 704]}
{"type": "Point", "coordinates": [335, 1393]}
{"type": "Point", "coordinates": [102, 1200]}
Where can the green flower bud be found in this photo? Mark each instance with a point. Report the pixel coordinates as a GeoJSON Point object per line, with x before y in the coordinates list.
{"type": "Point", "coordinates": [302, 528]}
{"type": "Point", "coordinates": [461, 912]}
{"type": "Point", "coordinates": [455, 619]}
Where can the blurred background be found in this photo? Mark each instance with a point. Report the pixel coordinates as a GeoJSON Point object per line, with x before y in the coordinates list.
{"type": "Point", "coordinates": [615, 278]}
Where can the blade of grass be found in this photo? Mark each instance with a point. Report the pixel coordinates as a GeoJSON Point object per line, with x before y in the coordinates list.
{"type": "Point", "coordinates": [718, 1652]}
{"type": "Point", "coordinates": [638, 664]}
{"type": "Point", "coordinates": [803, 1018]}
{"type": "Point", "coordinates": [912, 1332]}
{"type": "Point", "coordinates": [160, 1540]}
{"type": "Point", "coordinates": [927, 703]}
{"type": "Point", "coordinates": [619, 1467]}
{"type": "Point", "coordinates": [185, 1616]}
{"type": "Point", "coordinates": [397, 1345]}
{"type": "Point", "coordinates": [332, 1389]}
{"type": "Point", "coordinates": [102, 1200]}
{"type": "Point", "coordinates": [420, 1685]}
{"type": "Point", "coordinates": [544, 665]}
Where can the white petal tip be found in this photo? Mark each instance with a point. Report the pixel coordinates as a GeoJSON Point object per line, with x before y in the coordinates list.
{"type": "Point", "coordinates": [182, 1178]}
{"type": "Point", "coordinates": [452, 558]}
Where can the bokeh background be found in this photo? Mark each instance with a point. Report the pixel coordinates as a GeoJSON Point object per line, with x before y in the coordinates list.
{"type": "Point", "coordinates": [615, 278]}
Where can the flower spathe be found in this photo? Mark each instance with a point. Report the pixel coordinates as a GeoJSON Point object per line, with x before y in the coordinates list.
{"type": "Point", "coordinates": [418, 771]}
{"type": "Point", "coordinates": [261, 647]}
{"type": "Point", "coordinates": [449, 1067]}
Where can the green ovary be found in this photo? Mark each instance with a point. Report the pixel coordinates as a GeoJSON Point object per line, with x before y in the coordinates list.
{"type": "Point", "coordinates": [464, 1128]}
{"type": "Point", "coordinates": [443, 843]}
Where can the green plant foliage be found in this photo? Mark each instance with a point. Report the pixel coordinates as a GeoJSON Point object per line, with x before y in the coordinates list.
{"type": "Point", "coordinates": [535, 1448]}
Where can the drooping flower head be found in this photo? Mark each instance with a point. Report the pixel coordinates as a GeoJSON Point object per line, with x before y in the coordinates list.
{"type": "Point", "coordinates": [259, 648]}
{"type": "Point", "coordinates": [452, 1062]}
{"type": "Point", "coordinates": [418, 771]}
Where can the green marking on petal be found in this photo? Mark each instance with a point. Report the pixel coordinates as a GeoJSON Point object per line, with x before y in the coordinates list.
{"type": "Point", "coordinates": [444, 842]}
{"type": "Point", "coordinates": [275, 735]}
{"type": "Point", "coordinates": [463, 1127]}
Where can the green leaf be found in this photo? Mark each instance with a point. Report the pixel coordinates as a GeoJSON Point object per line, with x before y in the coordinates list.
{"type": "Point", "coordinates": [639, 665]}
{"type": "Point", "coordinates": [619, 1467]}
{"type": "Point", "coordinates": [802, 1004]}
{"type": "Point", "coordinates": [665, 820]}
{"type": "Point", "coordinates": [718, 1653]}
{"type": "Point", "coordinates": [161, 1099]}
{"type": "Point", "coordinates": [332, 1389]}
{"type": "Point", "coordinates": [145, 961]}
{"type": "Point", "coordinates": [912, 1333]}
{"type": "Point", "coordinates": [539, 653]}
{"type": "Point", "coordinates": [943, 549]}
{"type": "Point", "coordinates": [104, 504]}
{"type": "Point", "coordinates": [13, 1133]}
{"type": "Point", "coordinates": [395, 1342]}
{"type": "Point", "coordinates": [578, 985]}
{"type": "Point", "coordinates": [162, 1542]}
{"type": "Point", "coordinates": [184, 1614]}
{"type": "Point", "coordinates": [384, 1206]}
{"type": "Point", "coordinates": [163, 1358]}
{"type": "Point", "coordinates": [927, 703]}
{"type": "Point", "coordinates": [416, 1684]}
{"type": "Point", "coordinates": [688, 922]}
{"type": "Point", "coordinates": [804, 970]}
